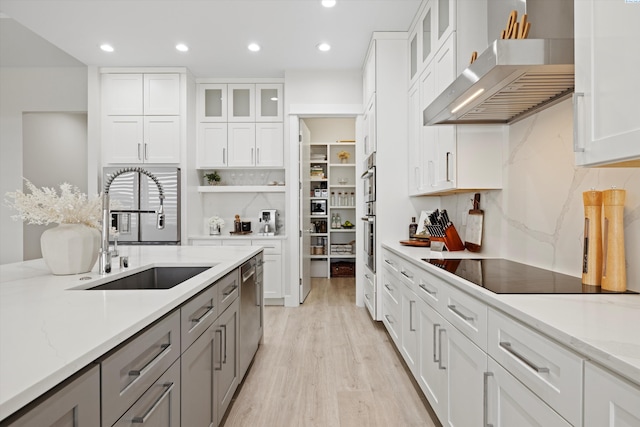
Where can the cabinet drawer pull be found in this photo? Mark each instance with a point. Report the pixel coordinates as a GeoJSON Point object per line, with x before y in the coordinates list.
{"type": "Point", "coordinates": [440, 332]}
{"type": "Point", "coordinates": [389, 288]}
{"type": "Point", "coordinates": [146, 154]}
{"type": "Point", "coordinates": [145, 416]}
{"type": "Point", "coordinates": [208, 310]}
{"type": "Point", "coordinates": [507, 346]}
{"type": "Point", "coordinates": [388, 262]}
{"type": "Point", "coordinates": [227, 293]}
{"type": "Point", "coordinates": [485, 400]}
{"type": "Point", "coordinates": [139, 158]}
{"type": "Point", "coordinates": [411, 328]}
{"type": "Point", "coordinates": [436, 359]}
{"type": "Point", "coordinates": [224, 156]}
{"type": "Point", "coordinates": [220, 352]}
{"type": "Point", "coordinates": [404, 273]}
{"type": "Point", "coordinates": [388, 318]}
{"type": "Point", "coordinates": [367, 297]}
{"type": "Point", "coordinates": [448, 157]}
{"type": "Point", "coordinates": [248, 274]}
{"type": "Point", "coordinates": [430, 292]}
{"type": "Point", "coordinates": [459, 313]}
{"type": "Point", "coordinates": [257, 156]}
{"type": "Point", "coordinates": [164, 348]}
{"type": "Point", "coordinates": [224, 329]}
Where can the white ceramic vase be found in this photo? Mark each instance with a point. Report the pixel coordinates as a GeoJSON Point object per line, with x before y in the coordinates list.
{"type": "Point", "coordinates": [70, 248]}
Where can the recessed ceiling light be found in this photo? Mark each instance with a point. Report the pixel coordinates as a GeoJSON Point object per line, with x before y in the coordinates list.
{"type": "Point", "coordinates": [328, 3]}
{"type": "Point", "coordinates": [182, 47]}
{"type": "Point", "coordinates": [254, 47]}
{"type": "Point", "coordinates": [106, 47]}
{"type": "Point", "coordinates": [324, 47]}
{"type": "Point", "coordinates": [275, 98]}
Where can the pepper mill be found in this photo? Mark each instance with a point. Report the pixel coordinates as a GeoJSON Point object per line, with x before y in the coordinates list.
{"type": "Point", "coordinates": [614, 277]}
{"type": "Point", "coordinates": [592, 251]}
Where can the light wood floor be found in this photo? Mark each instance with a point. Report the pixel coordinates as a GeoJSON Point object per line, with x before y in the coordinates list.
{"type": "Point", "coordinates": [327, 364]}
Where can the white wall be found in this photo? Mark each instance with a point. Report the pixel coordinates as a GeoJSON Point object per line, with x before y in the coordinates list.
{"type": "Point", "coordinates": [333, 87]}
{"type": "Point", "coordinates": [538, 217]}
{"type": "Point", "coordinates": [29, 90]}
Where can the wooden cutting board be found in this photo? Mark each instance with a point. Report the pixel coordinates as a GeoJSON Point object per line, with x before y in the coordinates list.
{"type": "Point", "coordinates": [415, 242]}
{"type": "Point", "coordinates": [475, 222]}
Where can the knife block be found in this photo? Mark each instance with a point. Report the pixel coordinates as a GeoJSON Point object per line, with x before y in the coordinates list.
{"type": "Point", "coordinates": [614, 277]}
{"type": "Point", "coordinates": [451, 239]}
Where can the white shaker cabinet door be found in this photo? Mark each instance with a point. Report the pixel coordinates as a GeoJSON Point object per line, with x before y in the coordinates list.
{"type": "Point", "coordinates": [609, 400]}
{"type": "Point", "coordinates": [162, 94]}
{"type": "Point", "coordinates": [122, 94]}
{"type": "Point", "coordinates": [212, 145]}
{"type": "Point", "coordinates": [606, 112]}
{"type": "Point", "coordinates": [162, 139]}
{"type": "Point", "coordinates": [123, 139]}
{"type": "Point", "coordinates": [241, 144]}
{"type": "Point", "coordinates": [241, 103]}
{"type": "Point", "coordinates": [269, 144]}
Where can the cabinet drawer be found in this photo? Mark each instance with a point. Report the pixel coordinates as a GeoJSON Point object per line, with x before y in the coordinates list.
{"type": "Point", "coordinates": [228, 289]}
{"type": "Point", "coordinates": [369, 295]}
{"type": "Point", "coordinates": [197, 315]}
{"type": "Point", "coordinates": [391, 317]}
{"type": "Point", "coordinates": [546, 368]}
{"type": "Point", "coordinates": [205, 242]}
{"type": "Point", "coordinates": [132, 369]}
{"type": "Point", "coordinates": [408, 274]}
{"type": "Point", "coordinates": [238, 242]}
{"type": "Point", "coordinates": [270, 246]}
{"type": "Point", "coordinates": [431, 290]}
{"type": "Point", "coordinates": [390, 287]}
{"type": "Point", "coordinates": [467, 314]}
{"type": "Point", "coordinates": [159, 405]}
{"type": "Point", "coordinates": [512, 404]}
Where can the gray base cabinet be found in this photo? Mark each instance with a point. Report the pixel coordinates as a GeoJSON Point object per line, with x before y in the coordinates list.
{"type": "Point", "coordinates": [76, 404]}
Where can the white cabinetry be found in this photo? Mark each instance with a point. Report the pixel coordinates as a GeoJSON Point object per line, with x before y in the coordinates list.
{"type": "Point", "coordinates": [609, 400]}
{"type": "Point", "coordinates": [239, 125]}
{"type": "Point", "coordinates": [141, 118]}
{"type": "Point", "coordinates": [447, 158]}
{"type": "Point", "coordinates": [606, 113]}
{"type": "Point", "coordinates": [76, 403]}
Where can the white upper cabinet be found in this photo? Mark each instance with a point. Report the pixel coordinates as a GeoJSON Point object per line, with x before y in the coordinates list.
{"type": "Point", "coordinates": [269, 102]}
{"type": "Point", "coordinates": [606, 112]}
{"type": "Point", "coordinates": [241, 103]}
{"type": "Point", "coordinates": [211, 145]}
{"type": "Point", "coordinates": [212, 102]}
{"type": "Point", "coordinates": [141, 94]}
{"type": "Point", "coordinates": [369, 75]}
{"type": "Point", "coordinates": [269, 145]}
{"type": "Point", "coordinates": [141, 120]}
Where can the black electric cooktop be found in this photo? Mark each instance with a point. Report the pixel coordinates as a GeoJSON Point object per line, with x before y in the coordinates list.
{"type": "Point", "coordinates": [508, 277]}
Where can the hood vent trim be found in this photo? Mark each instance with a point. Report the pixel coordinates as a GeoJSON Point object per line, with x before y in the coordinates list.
{"type": "Point", "coordinates": [518, 78]}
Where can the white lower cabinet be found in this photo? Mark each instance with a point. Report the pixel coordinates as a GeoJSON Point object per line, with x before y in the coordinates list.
{"type": "Point", "coordinates": [478, 366]}
{"type": "Point", "coordinates": [510, 403]}
{"type": "Point", "coordinates": [609, 400]}
{"type": "Point", "coordinates": [370, 293]}
{"type": "Point", "coordinates": [75, 404]}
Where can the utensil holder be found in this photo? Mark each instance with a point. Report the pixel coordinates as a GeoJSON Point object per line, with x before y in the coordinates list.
{"type": "Point", "coordinates": [451, 239]}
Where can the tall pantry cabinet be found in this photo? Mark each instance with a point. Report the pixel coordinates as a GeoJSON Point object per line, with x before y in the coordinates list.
{"type": "Point", "coordinates": [385, 133]}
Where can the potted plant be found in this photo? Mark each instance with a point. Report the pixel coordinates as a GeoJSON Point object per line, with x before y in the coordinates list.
{"type": "Point", "coordinates": [213, 178]}
{"type": "Point", "coordinates": [71, 247]}
{"type": "Point", "coordinates": [343, 156]}
{"type": "Point", "coordinates": [215, 224]}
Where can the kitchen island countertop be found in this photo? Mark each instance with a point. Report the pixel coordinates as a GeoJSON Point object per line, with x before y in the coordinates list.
{"type": "Point", "coordinates": [600, 327]}
{"type": "Point", "coordinates": [49, 330]}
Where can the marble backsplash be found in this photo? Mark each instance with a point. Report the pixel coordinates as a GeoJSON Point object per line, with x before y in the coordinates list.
{"type": "Point", "coordinates": [537, 218]}
{"type": "Point", "coordinates": [247, 205]}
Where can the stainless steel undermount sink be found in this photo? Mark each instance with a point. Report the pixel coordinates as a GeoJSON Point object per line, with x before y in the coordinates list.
{"type": "Point", "coordinates": [153, 278]}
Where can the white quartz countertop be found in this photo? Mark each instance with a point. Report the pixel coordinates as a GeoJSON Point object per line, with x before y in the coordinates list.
{"type": "Point", "coordinates": [49, 330]}
{"type": "Point", "coordinates": [601, 327]}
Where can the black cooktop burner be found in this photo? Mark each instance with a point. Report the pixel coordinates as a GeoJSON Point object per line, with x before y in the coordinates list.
{"type": "Point", "coordinates": [508, 277]}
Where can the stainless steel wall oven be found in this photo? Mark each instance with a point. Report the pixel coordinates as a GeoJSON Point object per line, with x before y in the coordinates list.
{"type": "Point", "coordinates": [369, 180]}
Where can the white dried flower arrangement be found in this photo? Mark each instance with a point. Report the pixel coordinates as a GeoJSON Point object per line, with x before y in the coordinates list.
{"type": "Point", "coordinates": [216, 220]}
{"type": "Point", "coordinates": [44, 206]}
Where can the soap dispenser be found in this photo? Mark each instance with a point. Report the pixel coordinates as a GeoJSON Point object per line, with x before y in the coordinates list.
{"type": "Point", "coordinates": [592, 250]}
{"type": "Point", "coordinates": [614, 276]}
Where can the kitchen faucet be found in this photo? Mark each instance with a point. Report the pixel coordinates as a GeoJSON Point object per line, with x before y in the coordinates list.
{"type": "Point", "coordinates": [105, 253]}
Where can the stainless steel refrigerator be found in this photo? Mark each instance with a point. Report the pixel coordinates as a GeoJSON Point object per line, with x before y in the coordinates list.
{"type": "Point", "coordinates": [135, 201]}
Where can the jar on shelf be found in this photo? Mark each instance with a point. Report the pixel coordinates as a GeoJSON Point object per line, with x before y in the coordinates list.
{"type": "Point", "coordinates": [339, 199]}
{"type": "Point", "coordinates": [333, 198]}
{"type": "Point", "coordinates": [352, 199]}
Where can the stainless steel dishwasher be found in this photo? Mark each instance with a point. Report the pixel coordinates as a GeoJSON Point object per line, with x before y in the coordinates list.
{"type": "Point", "coordinates": [251, 311]}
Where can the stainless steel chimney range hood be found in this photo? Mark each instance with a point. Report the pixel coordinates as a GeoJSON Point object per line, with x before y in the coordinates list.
{"type": "Point", "coordinates": [513, 79]}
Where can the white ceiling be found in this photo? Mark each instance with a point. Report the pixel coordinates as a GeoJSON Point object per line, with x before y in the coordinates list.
{"type": "Point", "coordinates": [145, 32]}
